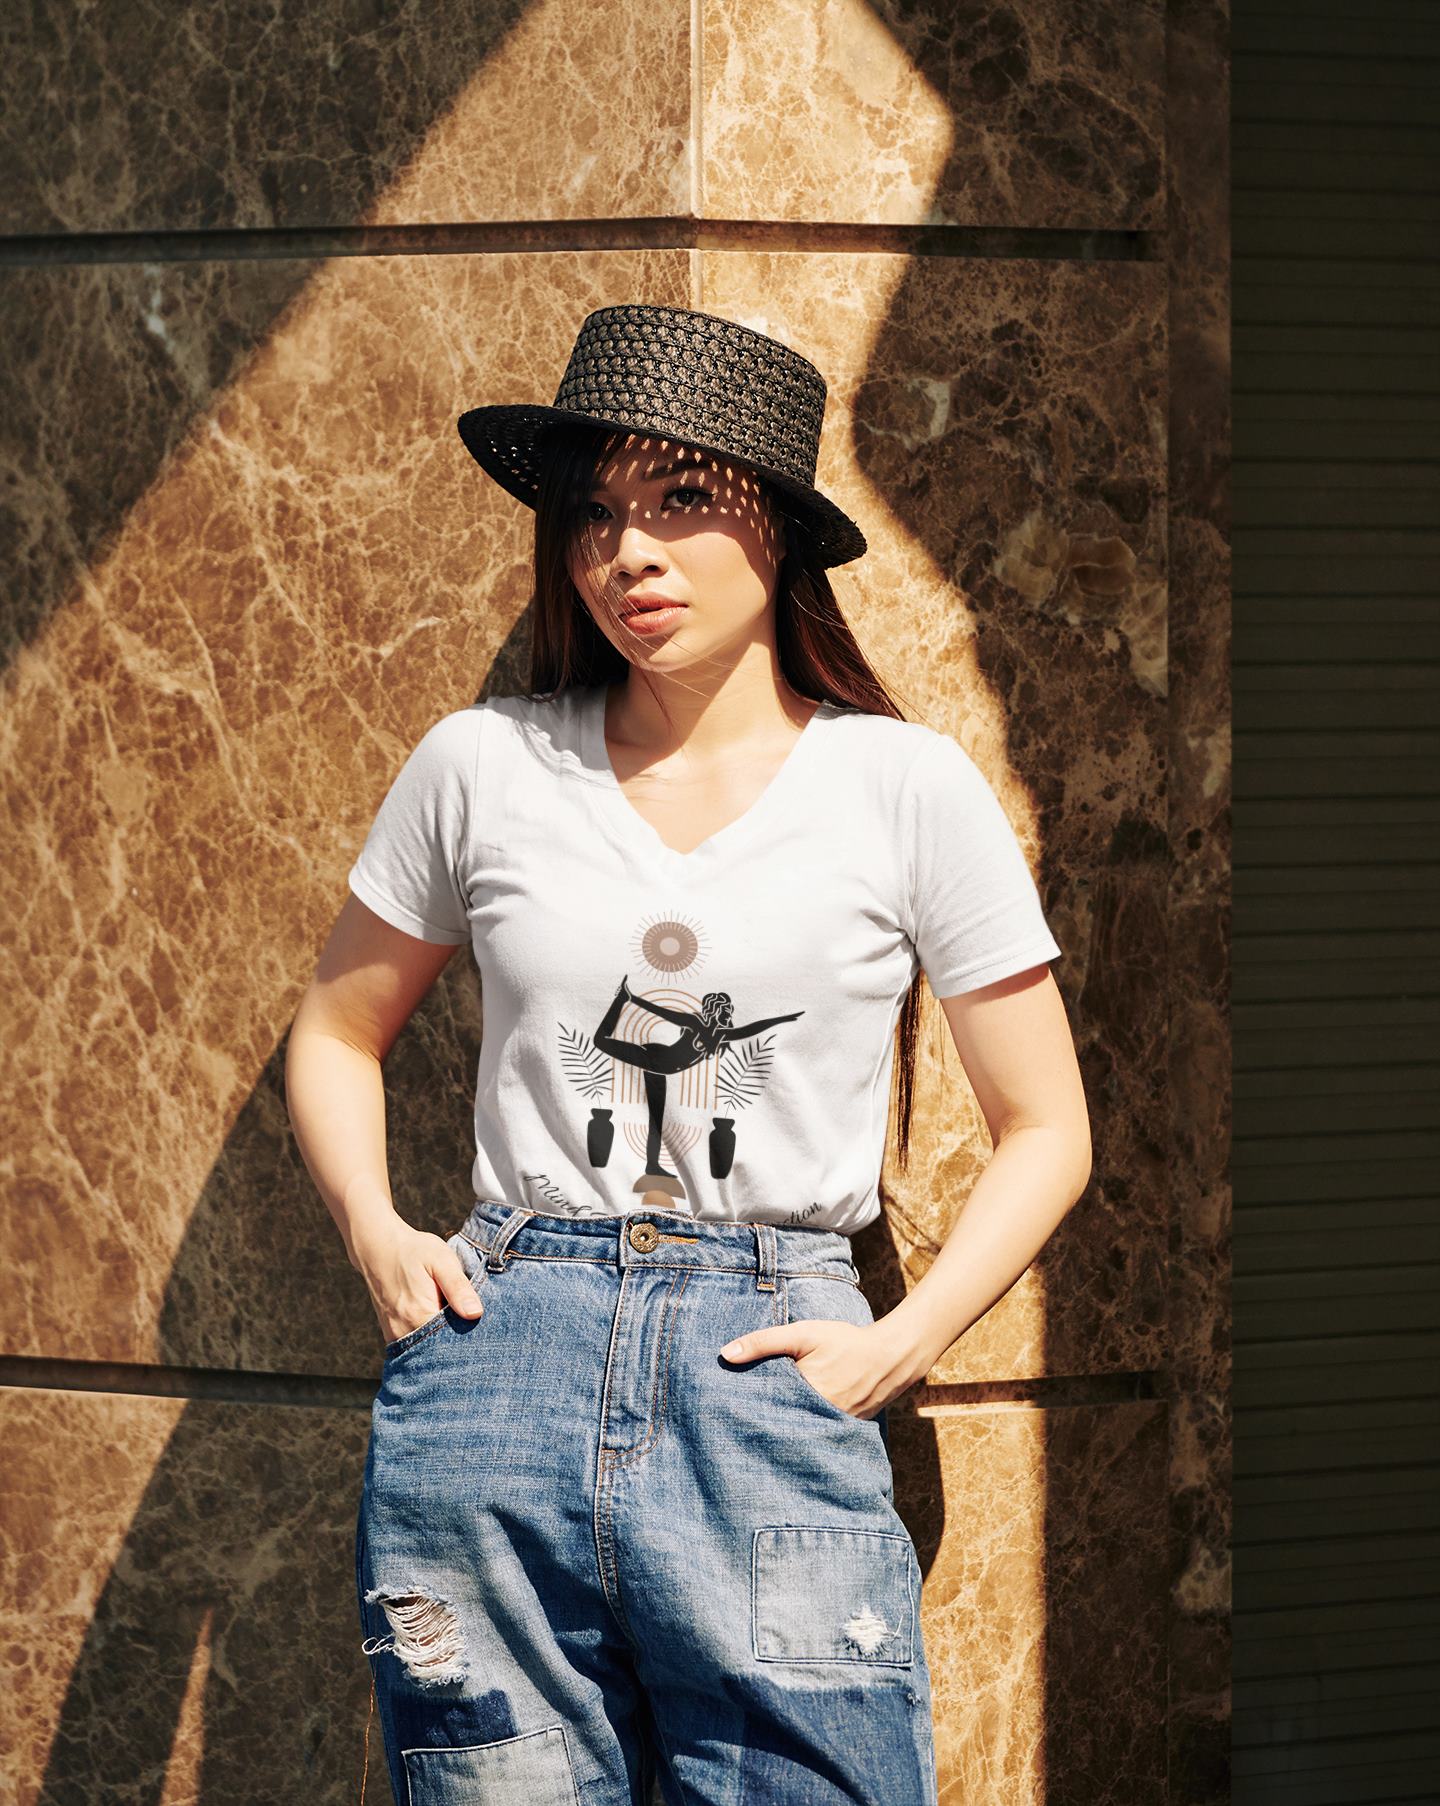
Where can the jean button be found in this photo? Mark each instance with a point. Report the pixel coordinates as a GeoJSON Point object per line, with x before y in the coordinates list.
{"type": "Point", "coordinates": [643, 1236]}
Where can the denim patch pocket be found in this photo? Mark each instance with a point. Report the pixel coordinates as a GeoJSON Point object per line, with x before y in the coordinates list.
{"type": "Point", "coordinates": [530, 1770]}
{"type": "Point", "coordinates": [819, 1594]}
{"type": "Point", "coordinates": [473, 1262]}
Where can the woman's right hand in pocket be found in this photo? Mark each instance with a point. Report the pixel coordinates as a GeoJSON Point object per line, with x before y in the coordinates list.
{"type": "Point", "coordinates": [411, 1274]}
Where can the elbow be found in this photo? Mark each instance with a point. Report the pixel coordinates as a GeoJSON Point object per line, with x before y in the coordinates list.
{"type": "Point", "coordinates": [1084, 1168]}
{"type": "Point", "coordinates": [293, 1067]}
{"type": "Point", "coordinates": [1081, 1152]}
{"type": "Point", "coordinates": [1071, 1153]}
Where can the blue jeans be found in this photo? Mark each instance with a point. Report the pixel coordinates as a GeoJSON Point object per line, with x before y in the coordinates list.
{"type": "Point", "coordinates": [595, 1559]}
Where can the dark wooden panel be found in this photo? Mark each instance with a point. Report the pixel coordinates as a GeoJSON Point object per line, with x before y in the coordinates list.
{"type": "Point", "coordinates": [1328, 643]}
{"type": "Point", "coordinates": [1303, 1372]}
{"type": "Point", "coordinates": [1331, 494]}
{"type": "Point", "coordinates": [1277, 1511]}
{"type": "Point", "coordinates": [1279, 901]}
{"type": "Point", "coordinates": [1394, 1700]}
{"type": "Point", "coordinates": [1325, 290]}
{"type": "Point", "coordinates": [1266, 1045]}
{"type": "Point", "coordinates": [1355, 90]}
{"type": "Point", "coordinates": [1301, 16]}
{"type": "Point", "coordinates": [1307, 1175]}
{"type": "Point", "coordinates": [1335, 1015]}
{"type": "Point", "coordinates": [1409, 770]}
{"type": "Point", "coordinates": [1384, 1097]}
{"type": "Point", "coordinates": [1345, 160]}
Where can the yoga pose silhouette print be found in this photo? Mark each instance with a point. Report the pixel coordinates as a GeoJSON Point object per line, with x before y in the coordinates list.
{"type": "Point", "coordinates": [640, 1060]}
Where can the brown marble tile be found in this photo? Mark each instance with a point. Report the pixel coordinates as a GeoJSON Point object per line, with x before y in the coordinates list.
{"type": "Point", "coordinates": [218, 661]}
{"type": "Point", "coordinates": [1045, 113]}
{"type": "Point", "coordinates": [1043, 1547]}
{"type": "Point", "coordinates": [180, 1611]}
{"type": "Point", "coordinates": [998, 431]}
{"type": "Point", "coordinates": [1197, 1073]}
{"type": "Point", "coordinates": [126, 116]}
{"type": "Point", "coordinates": [250, 561]}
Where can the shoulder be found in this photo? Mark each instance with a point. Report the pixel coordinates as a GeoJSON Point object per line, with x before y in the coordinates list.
{"type": "Point", "coordinates": [444, 756]}
{"type": "Point", "coordinates": [496, 718]}
{"type": "Point", "coordinates": [930, 783]}
{"type": "Point", "coordinates": [541, 724]}
{"type": "Point", "coordinates": [902, 746]}
{"type": "Point", "coordinates": [453, 735]}
{"type": "Point", "coordinates": [536, 711]}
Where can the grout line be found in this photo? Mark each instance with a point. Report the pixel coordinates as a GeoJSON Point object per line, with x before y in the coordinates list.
{"type": "Point", "coordinates": [207, 1384]}
{"type": "Point", "coordinates": [355, 1392]}
{"type": "Point", "coordinates": [697, 128]}
{"type": "Point", "coordinates": [1045, 244]}
{"type": "Point", "coordinates": [1043, 1392]}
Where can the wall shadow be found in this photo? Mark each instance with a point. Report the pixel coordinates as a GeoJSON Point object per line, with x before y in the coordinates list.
{"type": "Point", "coordinates": [107, 378]}
{"type": "Point", "coordinates": [141, 384]}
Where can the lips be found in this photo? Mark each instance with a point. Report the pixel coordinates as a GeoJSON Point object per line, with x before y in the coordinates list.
{"type": "Point", "coordinates": [635, 605]}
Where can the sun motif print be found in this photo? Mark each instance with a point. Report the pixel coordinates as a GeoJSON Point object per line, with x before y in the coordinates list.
{"type": "Point", "coordinates": [669, 1090]}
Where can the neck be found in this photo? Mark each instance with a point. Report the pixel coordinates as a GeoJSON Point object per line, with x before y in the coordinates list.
{"type": "Point", "coordinates": [656, 713]}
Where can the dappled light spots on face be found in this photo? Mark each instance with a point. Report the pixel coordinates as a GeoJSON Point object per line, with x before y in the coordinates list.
{"type": "Point", "coordinates": [659, 521]}
{"type": "Point", "coordinates": [648, 486]}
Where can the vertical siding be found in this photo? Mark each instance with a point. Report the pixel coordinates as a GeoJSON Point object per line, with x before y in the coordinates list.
{"type": "Point", "coordinates": [1336, 165]}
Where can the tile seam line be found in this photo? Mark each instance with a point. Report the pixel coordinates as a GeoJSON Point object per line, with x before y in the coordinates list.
{"type": "Point", "coordinates": [24, 1373]}
{"type": "Point", "coordinates": [1050, 244]}
{"type": "Point", "coordinates": [697, 110]}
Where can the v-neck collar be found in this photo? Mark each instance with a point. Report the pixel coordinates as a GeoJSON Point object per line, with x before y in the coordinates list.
{"type": "Point", "coordinates": [632, 829]}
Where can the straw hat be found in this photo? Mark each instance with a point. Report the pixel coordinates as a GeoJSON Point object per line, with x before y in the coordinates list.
{"type": "Point", "coordinates": [687, 376]}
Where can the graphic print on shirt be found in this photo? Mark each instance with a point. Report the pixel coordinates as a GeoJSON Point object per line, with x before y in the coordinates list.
{"type": "Point", "coordinates": [719, 1066]}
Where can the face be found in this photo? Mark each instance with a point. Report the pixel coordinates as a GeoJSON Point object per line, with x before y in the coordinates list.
{"type": "Point", "coordinates": [694, 528]}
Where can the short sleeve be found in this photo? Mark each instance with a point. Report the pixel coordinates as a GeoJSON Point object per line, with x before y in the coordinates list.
{"type": "Point", "coordinates": [410, 869]}
{"type": "Point", "coordinates": [975, 914]}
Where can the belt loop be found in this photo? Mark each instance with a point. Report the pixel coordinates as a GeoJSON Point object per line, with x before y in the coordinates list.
{"type": "Point", "coordinates": [764, 1256]}
{"type": "Point", "coordinates": [495, 1256]}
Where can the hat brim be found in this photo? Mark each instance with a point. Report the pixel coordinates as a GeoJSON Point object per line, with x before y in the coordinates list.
{"type": "Point", "coordinates": [503, 438]}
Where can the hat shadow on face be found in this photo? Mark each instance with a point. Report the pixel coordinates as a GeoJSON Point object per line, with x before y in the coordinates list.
{"type": "Point", "coordinates": [575, 635]}
{"type": "Point", "coordinates": [672, 490]}
{"type": "Point", "coordinates": [648, 468]}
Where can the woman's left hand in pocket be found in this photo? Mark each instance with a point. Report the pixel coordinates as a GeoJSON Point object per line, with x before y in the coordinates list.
{"type": "Point", "coordinates": [846, 1362]}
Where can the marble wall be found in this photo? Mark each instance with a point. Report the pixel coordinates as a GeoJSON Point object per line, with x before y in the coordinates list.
{"type": "Point", "coordinates": [253, 268]}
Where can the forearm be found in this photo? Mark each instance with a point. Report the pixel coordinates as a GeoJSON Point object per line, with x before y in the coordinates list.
{"type": "Point", "coordinates": [335, 1095]}
{"type": "Point", "coordinates": [1029, 1183]}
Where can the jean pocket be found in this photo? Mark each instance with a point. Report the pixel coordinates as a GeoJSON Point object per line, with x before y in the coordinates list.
{"type": "Point", "coordinates": [823, 1594]}
{"type": "Point", "coordinates": [418, 1334]}
{"type": "Point", "coordinates": [473, 1262]}
{"type": "Point", "coordinates": [822, 1296]}
{"type": "Point", "coordinates": [534, 1767]}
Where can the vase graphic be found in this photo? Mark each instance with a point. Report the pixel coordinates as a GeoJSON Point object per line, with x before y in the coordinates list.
{"type": "Point", "coordinates": [722, 1147]}
{"type": "Point", "coordinates": [599, 1136]}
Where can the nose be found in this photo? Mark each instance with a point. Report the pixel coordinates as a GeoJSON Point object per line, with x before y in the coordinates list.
{"type": "Point", "coordinates": [637, 550]}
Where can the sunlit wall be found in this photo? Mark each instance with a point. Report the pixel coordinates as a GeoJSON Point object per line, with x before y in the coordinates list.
{"type": "Point", "coordinates": [254, 266]}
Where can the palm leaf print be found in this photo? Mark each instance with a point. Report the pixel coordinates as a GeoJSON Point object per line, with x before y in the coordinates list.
{"type": "Point", "coordinates": [587, 1069]}
{"type": "Point", "coordinates": [744, 1079]}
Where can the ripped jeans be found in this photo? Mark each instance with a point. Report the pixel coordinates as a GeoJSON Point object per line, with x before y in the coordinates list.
{"type": "Point", "coordinates": [597, 1564]}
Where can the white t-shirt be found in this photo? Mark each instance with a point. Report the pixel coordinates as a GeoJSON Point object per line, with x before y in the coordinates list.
{"type": "Point", "coordinates": [716, 1026]}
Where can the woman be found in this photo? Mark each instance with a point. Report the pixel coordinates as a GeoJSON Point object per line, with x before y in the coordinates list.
{"type": "Point", "coordinates": [628, 1514]}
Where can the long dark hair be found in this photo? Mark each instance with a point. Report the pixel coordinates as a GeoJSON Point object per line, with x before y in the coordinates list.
{"type": "Point", "coordinates": [818, 653]}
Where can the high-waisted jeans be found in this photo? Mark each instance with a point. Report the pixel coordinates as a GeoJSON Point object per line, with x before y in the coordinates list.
{"type": "Point", "coordinates": [598, 1564]}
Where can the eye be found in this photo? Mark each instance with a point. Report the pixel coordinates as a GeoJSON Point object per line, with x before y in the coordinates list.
{"type": "Point", "coordinates": [693, 495]}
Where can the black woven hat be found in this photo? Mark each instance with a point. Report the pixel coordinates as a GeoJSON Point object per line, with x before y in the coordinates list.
{"type": "Point", "coordinates": [691, 377]}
